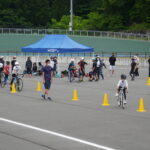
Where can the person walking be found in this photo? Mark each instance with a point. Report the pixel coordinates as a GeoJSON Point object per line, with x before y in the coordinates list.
{"type": "Point", "coordinates": [29, 67]}
{"type": "Point", "coordinates": [47, 79]}
{"type": "Point", "coordinates": [112, 61]}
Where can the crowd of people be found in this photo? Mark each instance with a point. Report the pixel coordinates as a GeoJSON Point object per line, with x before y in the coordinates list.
{"type": "Point", "coordinates": [50, 69]}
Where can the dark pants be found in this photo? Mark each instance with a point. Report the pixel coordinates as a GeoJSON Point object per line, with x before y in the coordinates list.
{"type": "Point", "coordinates": [149, 71]}
{"type": "Point", "coordinates": [6, 78]}
{"type": "Point", "coordinates": [13, 78]}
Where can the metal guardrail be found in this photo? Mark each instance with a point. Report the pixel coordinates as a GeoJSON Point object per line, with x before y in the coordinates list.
{"type": "Point", "coordinates": [101, 54]}
{"type": "Point", "coordinates": [120, 35]}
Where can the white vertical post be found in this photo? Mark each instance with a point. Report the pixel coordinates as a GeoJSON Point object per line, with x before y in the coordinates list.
{"type": "Point", "coordinates": [71, 16]}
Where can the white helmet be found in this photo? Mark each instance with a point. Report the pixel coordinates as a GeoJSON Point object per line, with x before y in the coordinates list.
{"type": "Point", "coordinates": [1, 65]}
{"type": "Point", "coordinates": [72, 59]}
{"type": "Point", "coordinates": [16, 63]}
{"type": "Point", "coordinates": [82, 58]}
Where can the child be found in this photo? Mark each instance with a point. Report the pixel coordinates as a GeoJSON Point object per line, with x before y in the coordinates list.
{"type": "Point", "coordinates": [6, 71]}
{"type": "Point", "coordinates": [123, 83]}
{"type": "Point", "coordinates": [47, 71]}
{"type": "Point", "coordinates": [16, 70]}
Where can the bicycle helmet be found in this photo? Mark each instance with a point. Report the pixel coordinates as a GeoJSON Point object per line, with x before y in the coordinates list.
{"type": "Point", "coordinates": [72, 60]}
{"type": "Point", "coordinates": [82, 58]}
{"type": "Point", "coordinates": [16, 63]}
{"type": "Point", "coordinates": [1, 65]}
{"type": "Point", "coordinates": [123, 76]}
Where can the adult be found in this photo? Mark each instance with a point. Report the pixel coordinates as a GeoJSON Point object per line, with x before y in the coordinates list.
{"type": "Point", "coordinates": [55, 66]}
{"type": "Point", "coordinates": [81, 64]}
{"type": "Point", "coordinates": [29, 67]}
{"type": "Point", "coordinates": [137, 61]}
{"type": "Point", "coordinates": [149, 65]}
{"type": "Point", "coordinates": [112, 61]}
{"type": "Point", "coordinates": [13, 62]}
{"type": "Point", "coordinates": [133, 68]}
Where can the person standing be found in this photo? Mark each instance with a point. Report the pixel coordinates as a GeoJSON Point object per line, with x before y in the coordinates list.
{"type": "Point", "coordinates": [6, 71]}
{"type": "Point", "coordinates": [13, 62]}
{"type": "Point", "coordinates": [81, 64]}
{"type": "Point", "coordinates": [149, 66]}
{"type": "Point", "coordinates": [29, 67]}
{"type": "Point", "coordinates": [133, 68]}
{"type": "Point", "coordinates": [47, 79]}
{"type": "Point", "coordinates": [112, 61]}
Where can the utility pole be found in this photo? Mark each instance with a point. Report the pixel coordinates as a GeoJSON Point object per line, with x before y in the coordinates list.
{"type": "Point", "coordinates": [71, 16]}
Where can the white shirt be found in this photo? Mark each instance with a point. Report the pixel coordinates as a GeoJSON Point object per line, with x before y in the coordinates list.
{"type": "Point", "coordinates": [52, 63]}
{"type": "Point", "coordinates": [98, 63]}
{"type": "Point", "coordinates": [123, 84]}
{"type": "Point", "coordinates": [16, 70]}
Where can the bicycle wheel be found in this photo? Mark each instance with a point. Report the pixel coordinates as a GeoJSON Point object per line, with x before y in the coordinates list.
{"type": "Point", "coordinates": [19, 85]}
{"type": "Point", "coordinates": [2, 76]}
{"type": "Point", "coordinates": [122, 100]}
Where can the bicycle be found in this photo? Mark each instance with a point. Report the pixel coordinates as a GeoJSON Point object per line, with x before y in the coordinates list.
{"type": "Point", "coordinates": [2, 79]}
{"type": "Point", "coordinates": [121, 98]}
{"type": "Point", "coordinates": [19, 82]}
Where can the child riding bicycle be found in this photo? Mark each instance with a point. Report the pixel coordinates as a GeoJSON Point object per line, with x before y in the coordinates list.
{"type": "Point", "coordinates": [122, 84]}
{"type": "Point", "coordinates": [16, 70]}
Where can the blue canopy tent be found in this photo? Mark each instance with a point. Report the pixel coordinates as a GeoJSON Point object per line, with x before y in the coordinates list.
{"type": "Point", "coordinates": [57, 44]}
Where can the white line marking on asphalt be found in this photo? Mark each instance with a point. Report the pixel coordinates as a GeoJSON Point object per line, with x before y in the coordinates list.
{"type": "Point", "coordinates": [57, 134]}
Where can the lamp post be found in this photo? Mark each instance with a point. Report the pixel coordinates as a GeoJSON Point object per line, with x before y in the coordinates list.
{"type": "Point", "coordinates": [71, 16]}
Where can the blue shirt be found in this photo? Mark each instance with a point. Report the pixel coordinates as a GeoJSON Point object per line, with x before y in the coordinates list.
{"type": "Point", "coordinates": [47, 72]}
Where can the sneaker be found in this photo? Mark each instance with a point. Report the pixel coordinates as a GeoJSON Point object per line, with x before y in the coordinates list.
{"type": "Point", "coordinates": [49, 98]}
{"type": "Point", "coordinates": [43, 96]}
{"type": "Point", "coordinates": [125, 102]}
{"type": "Point", "coordinates": [117, 95]}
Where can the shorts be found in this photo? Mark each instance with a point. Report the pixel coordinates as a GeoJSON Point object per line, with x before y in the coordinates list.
{"type": "Point", "coordinates": [112, 67]}
{"type": "Point", "coordinates": [81, 73]}
{"type": "Point", "coordinates": [29, 71]}
{"type": "Point", "coordinates": [47, 84]}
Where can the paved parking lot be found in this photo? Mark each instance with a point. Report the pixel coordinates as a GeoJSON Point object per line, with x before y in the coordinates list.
{"type": "Point", "coordinates": [84, 120]}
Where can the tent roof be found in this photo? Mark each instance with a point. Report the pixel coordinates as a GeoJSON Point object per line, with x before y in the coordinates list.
{"type": "Point", "coordinates": [57, 44]}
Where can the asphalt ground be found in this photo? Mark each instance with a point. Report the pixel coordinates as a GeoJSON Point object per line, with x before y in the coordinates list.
{"type": "Point", "coordinates": [85, 119]}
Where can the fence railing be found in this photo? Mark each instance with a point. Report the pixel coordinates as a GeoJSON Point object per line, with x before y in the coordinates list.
{"type": "Point", "coordinates": [101, 54]}
{"type": "Point", "coordinates": [120, 35]}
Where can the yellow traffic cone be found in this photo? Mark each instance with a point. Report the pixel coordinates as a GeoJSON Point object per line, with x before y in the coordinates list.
{"type": "Point", "coordinates": [105, 101]}
{"type": "Point", "coordinates": [148, 82]}
{"type": "Point", "coordinates": [13, 88]}
{"type": "Point", "coordinates": [38, 87]}
{"type": "Point", "coordinates": [141, 106]}
{"type": "Point", "coordinates": [75, 96]}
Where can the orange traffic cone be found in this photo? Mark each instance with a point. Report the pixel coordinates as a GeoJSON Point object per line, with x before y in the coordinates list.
{"type": "Point", "coordinates": [148, 82]}
{"type": "Point", "coordinates": [13, 88]}
{"type": "Point", "coordinates": [75, 96]}
{"type": "Point", "coordinates": [141, 106]}
{"type": "Point", "coordinates": [38, 87]}
{"type": "Point", "coordinates": [105, 100]}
